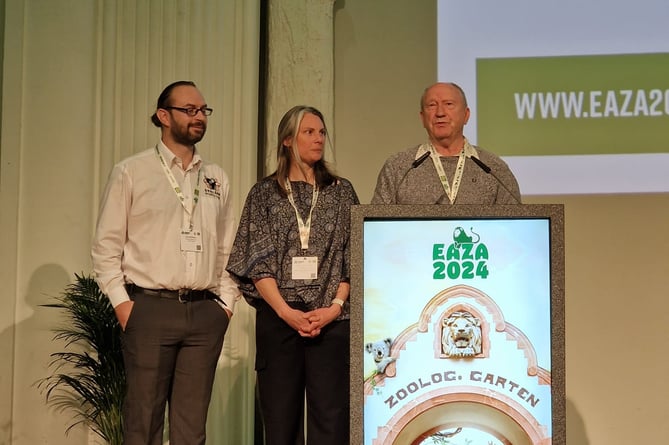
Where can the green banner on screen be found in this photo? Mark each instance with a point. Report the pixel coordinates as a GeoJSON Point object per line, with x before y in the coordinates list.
{"type": "Point", "coordinates": [606, 104]}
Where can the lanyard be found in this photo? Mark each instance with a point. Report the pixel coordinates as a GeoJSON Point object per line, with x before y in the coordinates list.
{"type": "Point", "coordinates": [451, 190]}
{"type": "Point", "coordinates": [177, 188]}
{"type": "Point", "coordinates": [304, 227]}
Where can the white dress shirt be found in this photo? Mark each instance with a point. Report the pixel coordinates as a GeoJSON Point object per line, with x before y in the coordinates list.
{"type": "Point", "coordinates": [138, 236]}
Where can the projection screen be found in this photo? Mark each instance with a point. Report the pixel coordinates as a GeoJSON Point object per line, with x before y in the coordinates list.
{"type": "Point", "coordinates": [573, 95]}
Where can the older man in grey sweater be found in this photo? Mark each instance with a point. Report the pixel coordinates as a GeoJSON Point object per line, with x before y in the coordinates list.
{"type": "Point", "coordinates": [447, 169]}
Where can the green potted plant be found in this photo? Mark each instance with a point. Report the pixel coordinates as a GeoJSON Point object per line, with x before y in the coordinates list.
{"type": "Point", "coordinates": [88, 377]}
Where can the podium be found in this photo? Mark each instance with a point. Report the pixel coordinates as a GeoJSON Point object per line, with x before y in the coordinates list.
{"type": "Point", "coordinates": [457, 325]}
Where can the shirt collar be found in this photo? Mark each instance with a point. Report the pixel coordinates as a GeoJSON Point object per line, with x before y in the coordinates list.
{"type": "Point", "coordinates": [468, 148]}
{"type": "Point", "coordinates": [171, 158]}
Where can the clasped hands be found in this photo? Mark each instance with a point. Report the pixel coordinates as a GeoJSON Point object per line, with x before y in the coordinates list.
{"type": "Point", "coordinates": [309, 324]}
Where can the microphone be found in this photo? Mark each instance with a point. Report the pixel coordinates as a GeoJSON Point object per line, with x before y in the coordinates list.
{"type": "Point", "coordinates": [480, 163]}
{"type": "Point", "coordinates": [489, 171]}
{"type": "Point", "coordinates": [416, 162]}
{"type": "Point", "coordinates": [419, 161]}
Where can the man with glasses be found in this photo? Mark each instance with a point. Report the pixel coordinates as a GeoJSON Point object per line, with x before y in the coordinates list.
{"type": "Point", "coordinates": [163, 237]}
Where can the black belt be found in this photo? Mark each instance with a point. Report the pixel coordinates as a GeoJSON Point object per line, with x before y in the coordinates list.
{"type": "Point", "coordinates": [183, 295]}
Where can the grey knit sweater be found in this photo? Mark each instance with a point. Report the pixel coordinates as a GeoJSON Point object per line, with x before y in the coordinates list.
{"type": "Point", "coordinates": [421, 185]}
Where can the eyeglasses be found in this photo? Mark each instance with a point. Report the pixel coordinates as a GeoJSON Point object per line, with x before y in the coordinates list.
{"type": "Point", "coordinates": [192, 111]}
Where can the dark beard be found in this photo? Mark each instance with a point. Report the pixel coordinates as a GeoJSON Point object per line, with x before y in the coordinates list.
{"type": "Point", "coordinates": [186, 138]}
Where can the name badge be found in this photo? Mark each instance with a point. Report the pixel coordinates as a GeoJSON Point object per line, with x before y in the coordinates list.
{"type": "Point", "coordinates": [305, 268]}
{"type": "Point", "coordinates": [191, 241]}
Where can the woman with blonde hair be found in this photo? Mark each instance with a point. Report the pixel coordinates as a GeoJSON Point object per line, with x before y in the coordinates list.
{"type": "Point", "coordinates": [291, 261]}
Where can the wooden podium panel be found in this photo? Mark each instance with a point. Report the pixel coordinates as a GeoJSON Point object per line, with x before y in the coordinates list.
{"type": "Point", "coordinates": [457, 325]}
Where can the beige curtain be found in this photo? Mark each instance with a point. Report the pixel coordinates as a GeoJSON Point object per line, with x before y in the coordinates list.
{"type": "Point", "coordinates": [80, 80]}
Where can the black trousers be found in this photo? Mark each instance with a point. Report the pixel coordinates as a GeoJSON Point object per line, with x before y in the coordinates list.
{"type": "Point", "coordinates": [170, 351]}
{"type": "Point", "coordinates": [288, 366]}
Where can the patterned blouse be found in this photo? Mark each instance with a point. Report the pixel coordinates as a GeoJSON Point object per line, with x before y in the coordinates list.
{"type": "Point", "coordinates": [268, 239]}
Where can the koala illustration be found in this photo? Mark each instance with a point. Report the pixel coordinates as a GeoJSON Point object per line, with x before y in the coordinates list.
{"type": "Point", "coordinates": [380, 350]}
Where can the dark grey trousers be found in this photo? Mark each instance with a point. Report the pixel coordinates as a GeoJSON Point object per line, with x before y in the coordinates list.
{"type": "Point", "coordinates": [170, 351]}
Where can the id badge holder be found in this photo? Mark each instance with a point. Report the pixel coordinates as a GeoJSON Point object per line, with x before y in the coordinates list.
{"type": "Point", "coordinates": [305, 268]}
{"type": "Point", "coordinates": [191, 241]}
